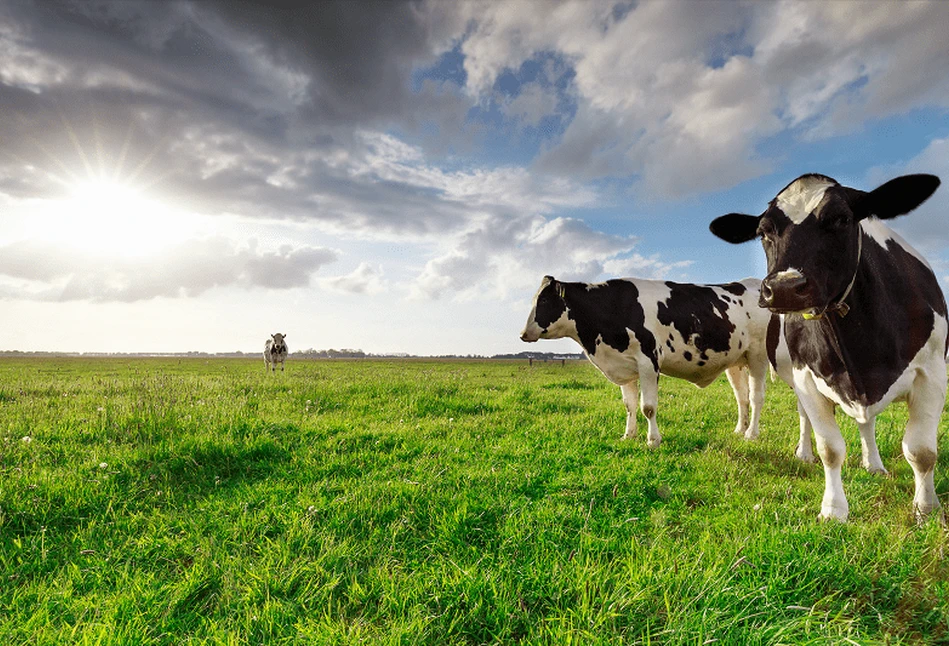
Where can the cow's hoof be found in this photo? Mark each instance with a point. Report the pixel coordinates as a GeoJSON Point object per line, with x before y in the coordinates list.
{"type": "Point", "coordinates": [876, 469]}
{"type": "Point", "coordinates": [652, 443]}
{"type": "Point", "coordinates": [804, 456]}
{"type": "Point", "coordinates": [925, 512]}
{"type": "Point", "coordinates": [751, 435]}
{"type": "Point", "coordinates": [838, 514]}
{"type": "Point", "coordinates": [739, 430]}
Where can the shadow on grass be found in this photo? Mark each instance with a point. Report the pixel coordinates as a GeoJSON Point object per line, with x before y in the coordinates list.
{"type": "Point", "coordinates": [769, 462]}
{"type": "Point", "coordinates": [200, 469]}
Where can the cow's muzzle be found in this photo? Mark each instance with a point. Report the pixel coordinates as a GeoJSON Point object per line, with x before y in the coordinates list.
{"type": "Point", "coordinates": [786, 291]}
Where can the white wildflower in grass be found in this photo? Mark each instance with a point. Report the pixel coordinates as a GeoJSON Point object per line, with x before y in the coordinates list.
{"type": "Point", "coordinates": [100, 408]}
{"type": "Point", "coordinates": [26, 439]}
{"type": "Point", "coordinates": [451, 419]}
{"type": "Point", "coordinates": [103, 465]}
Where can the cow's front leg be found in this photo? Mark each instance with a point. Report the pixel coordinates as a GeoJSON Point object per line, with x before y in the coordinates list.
{"type": "Point", "coordinates": [925, 405]}
{"type": "Point", "coordinates": [832, 451]}
{"type": "Point", "coordinates": [648, 402]}
{"type": "Point", "coordinates": [803, 450]}
{"type": "Point", "coordinates": [757, 377]}
{"type": "Point", "coordinates": [630, 396]}
{"type": "Point", "coordinates": [738, 378]}
{"type": "Point", "coordinates": [281, 366]}
{"type": "Point", "coordinates": [868, 443]}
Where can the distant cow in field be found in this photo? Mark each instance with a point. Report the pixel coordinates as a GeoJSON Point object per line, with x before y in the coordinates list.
{"type": "Point", "coordinates": [634, 329]}
{"type": "Point", "coordinates": [275, 351]}
{"type": "Point", "coordinates": [864, 319]}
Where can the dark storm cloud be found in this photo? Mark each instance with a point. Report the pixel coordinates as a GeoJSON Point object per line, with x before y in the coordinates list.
{"type": "Point", "coordinates": [208, 101]}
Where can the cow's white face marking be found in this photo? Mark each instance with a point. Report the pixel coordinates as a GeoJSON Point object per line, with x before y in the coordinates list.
{"type": "Point", "coordinates": [802, 197]}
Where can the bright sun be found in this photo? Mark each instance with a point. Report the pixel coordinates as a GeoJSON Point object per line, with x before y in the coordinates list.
{"type": "Point", "coordinates": [114, 219]}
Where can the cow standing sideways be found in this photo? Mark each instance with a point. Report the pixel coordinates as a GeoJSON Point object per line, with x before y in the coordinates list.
{"type": "Point", "coordinates": [275, 351]}
{"type": "Point", "coordinates": [634, 329]}
{"type": "Point", "coordinates": [864, 319]}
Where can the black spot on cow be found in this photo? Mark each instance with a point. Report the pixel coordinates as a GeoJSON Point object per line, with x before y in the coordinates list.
{"type": "Point", "coordinates": [550, 305]}
{"type": "Point", "coordinates": [700, 364]}
{"type": "Point", "coordinates": [687, 355]}
{"type": "Point", "coordinates": [607, 310]}
{"type": "Point", "coordinates": [734, 288]}
{"type": "Point", "coordinates": [699, 315]}
{"type": "Point", "coordinates": [772, 339]}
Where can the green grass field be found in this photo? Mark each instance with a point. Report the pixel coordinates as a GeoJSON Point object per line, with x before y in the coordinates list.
{"type": "Point", "coordinates": [147, 501]}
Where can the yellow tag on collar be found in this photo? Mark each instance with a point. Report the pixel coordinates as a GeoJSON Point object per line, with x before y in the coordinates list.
{"type": "Point", "coordinates": [808, 316]}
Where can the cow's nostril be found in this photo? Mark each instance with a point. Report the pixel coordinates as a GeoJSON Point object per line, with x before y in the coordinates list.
{"type": "Point", "coordinates": [767, 294]}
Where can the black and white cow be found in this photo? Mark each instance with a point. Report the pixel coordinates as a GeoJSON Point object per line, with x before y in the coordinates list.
{"type": "Point", "coordinates": [864, 318]}
{"type": "Point", "coordinates": [275, 351]}
{"type": "Point", "coordinates": [634, 329]}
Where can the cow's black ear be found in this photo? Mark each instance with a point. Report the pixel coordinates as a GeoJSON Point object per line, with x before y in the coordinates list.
{"type": "Point", "coordinates": [735, 227]}
{"type": "Point", "coordinates": [897, 197]}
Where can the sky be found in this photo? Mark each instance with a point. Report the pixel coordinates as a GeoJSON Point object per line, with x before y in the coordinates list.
{"type": "Point", "coordinates": [397, 177]}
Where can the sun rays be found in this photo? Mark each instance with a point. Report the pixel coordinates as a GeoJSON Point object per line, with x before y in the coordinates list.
{"type": "Point", "coordinates": [109, 203]}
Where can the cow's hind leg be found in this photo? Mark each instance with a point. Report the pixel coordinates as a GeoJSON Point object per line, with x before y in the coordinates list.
{"type": "Point", "coordinates": [803, 450]}
{"type": "Point", "coordinates": [868, 443]}
{"type": "Point", "coordinates": [738, 378]}
{"type": "Point", "coordinates": [630, 396]}
{"type": "Point", "coordinates": [757, 377]}
{"type": "Point", "coordinates": [648, 402]}
{"type": "Point", "coordinates": [925, 404]}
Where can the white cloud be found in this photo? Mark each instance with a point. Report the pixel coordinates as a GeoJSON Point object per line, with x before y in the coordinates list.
{"type": "Point", "coordinates": [365, 279]}
{"type": "Point", "coordinates": [681, 94]}
{"type": "Point", "coordinates": [37, 270]}
{"type": "Point", "coordinates": [499, 257]}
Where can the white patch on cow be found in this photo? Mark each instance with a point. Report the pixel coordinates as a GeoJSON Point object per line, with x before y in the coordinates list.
{"type": "Point", "coordinates": [802, 197]}
{"type": "Point", "coordinates": [880, 233]}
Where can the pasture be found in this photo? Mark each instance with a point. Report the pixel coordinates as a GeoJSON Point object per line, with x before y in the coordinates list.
{"type": "Point", "coordinates": [167, 501]}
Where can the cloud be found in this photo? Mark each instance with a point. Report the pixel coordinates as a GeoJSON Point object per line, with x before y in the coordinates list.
{"type": "Point", "coordinates": [322, 115]}
{"type": "Point", "coordinates": [50, 272]}
{"type": "Point", "coordinates": [679, 96]}
{"type": "Point", "coordinates": [499, 257]}
{"type": "Point", "coordinates": [365, 279]}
